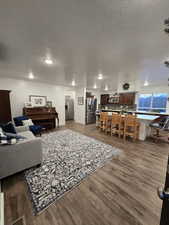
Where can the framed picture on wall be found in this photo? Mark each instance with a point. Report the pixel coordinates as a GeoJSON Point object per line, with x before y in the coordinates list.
{"type": "Point", "coordinates": [80, 100]}
{"type": "Point", "coordinates": [38, 101]}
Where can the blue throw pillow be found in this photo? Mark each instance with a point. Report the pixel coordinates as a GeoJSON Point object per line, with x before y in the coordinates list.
{"type": "Point", "coordinates": [9, 127]}
{"type": "Point", "coordinates": [18, 120]}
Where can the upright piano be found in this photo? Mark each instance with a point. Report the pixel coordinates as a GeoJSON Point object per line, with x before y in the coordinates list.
{"type": "Point", "coordinates": [44, 116]}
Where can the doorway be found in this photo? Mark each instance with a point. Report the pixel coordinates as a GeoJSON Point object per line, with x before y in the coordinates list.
{"type": "Point", "coordinates": [69, 108]}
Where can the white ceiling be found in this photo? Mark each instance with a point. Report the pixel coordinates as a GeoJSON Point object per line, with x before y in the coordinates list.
{"type": "Point", "coordinates": [115, 37]}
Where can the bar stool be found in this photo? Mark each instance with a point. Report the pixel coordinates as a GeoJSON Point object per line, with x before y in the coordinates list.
{"type": "Point", "coordinates": [131, 127]}
{"type": "Point", "coordinates": [103, 121]}
{"type": "Point", "coordinates": [117, 125]}
{"type": "Point", "coordinates": [108, 123]}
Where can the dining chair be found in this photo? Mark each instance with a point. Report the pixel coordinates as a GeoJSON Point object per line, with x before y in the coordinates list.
{"type": "Point", "coordinates": [160, 127]}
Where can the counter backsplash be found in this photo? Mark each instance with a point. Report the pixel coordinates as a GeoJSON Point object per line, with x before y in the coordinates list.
{"type": "Point", "coordinates": [118, 107]}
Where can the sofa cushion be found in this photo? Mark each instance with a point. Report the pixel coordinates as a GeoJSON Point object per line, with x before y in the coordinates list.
{"type": "Point", "coordinates": [28, 135]}
{"type": "Point", "coordinates": [17, 136]}
{"type": "Point", "coordinates": [21, 129]}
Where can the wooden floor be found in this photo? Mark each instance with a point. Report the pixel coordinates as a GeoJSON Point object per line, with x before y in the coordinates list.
{"type": "Point", "coordinates": [123, 192]}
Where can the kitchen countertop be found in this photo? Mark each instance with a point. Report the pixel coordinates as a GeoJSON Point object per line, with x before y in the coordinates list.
{"type": "Point", "coordinates": [147, 117]}
{"type": "Point", "coordinates": [137, 112]}
{"type": "Point", "coordinates": [141, 117]}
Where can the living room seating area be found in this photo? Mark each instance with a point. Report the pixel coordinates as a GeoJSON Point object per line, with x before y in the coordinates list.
{"type": "Point", "coordinates": [84, 112]}
{"type": "Point", "coordinates": [24, 153]}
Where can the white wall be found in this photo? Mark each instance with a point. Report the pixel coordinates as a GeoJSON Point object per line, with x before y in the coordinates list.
{"type": "Point", "coordinates": [154, 89]}
{"type": "Point", "coordinates": [134, 86]}
{"type": "Point", "coordinates": [20, 91]}
{"type": "Point", "coordinates": [80, 109]}
{"type": "Point", "coordinates": [70, 93]}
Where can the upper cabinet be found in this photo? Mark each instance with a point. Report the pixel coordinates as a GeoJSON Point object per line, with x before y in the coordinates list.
{"type": "Point", "coordinates": [123, 99]}
{"type": "Point", "coordinates": [127, 99]}
{"type": "Point", "coordinates": [104, 99]}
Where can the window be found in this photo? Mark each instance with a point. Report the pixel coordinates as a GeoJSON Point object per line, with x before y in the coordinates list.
{"type": "Point", "coordinates": [153, 102]}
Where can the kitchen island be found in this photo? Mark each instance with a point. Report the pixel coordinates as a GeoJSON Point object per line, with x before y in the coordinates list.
{"type": "Point", "coordinates": [150, 113]}
{"type": "Point", "coordinates": [135, 112]}
{"type": "Point", "coordinates": [144, 119]}
{"type": "Point", "coordinates": [145, 129]}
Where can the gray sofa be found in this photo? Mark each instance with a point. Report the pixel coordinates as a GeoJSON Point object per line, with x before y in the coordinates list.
{"type": "Point", "coordinates": [22, 155]}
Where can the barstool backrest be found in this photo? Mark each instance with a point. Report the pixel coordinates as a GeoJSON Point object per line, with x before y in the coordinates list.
{"type": "Point", "coordinates": [103, 116]}
{"type": "Point", "coordinates": [166, 123]}
{"type": "Point", "coordinates": [130, 120]}
{"type": "Point", "coordinates": [116, 118]}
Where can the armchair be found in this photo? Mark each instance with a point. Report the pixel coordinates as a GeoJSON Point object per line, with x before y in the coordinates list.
{"type": "Point", "coordinates": [161, 124]}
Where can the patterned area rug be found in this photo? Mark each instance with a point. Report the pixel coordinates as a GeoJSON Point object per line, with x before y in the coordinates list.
{"type": "Point", "coordinates": [68, 157]}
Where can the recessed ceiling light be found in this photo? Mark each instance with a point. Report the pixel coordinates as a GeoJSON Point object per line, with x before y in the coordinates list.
{"type": "Point", "coordinates": [95, 86]}
{"type": "Point", "coordinates": [106, 88]}
{"type": "Point", "coordinates": [100, 76]}
{"type": "Point", "coordinates": [73, 83]}
{"type": "Point", "coordinates": [48, 61]}
{"type": "Point", "coordinates": [146, 83]}
{"type": "Point", "coordinates": [31, 76]}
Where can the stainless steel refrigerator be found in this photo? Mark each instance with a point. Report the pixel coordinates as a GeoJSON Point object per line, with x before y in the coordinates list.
{"type": "Point", "coordinates": [69, 108]}
{"type": "Point", "coordinates": [91, 105]}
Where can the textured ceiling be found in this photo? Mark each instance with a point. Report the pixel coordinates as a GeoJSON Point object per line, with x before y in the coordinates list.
{"type": "Point", "coordinates": [86, 37]}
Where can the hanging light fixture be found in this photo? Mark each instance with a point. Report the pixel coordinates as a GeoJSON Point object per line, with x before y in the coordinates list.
{"type": "Point", "coordinates": [48, 58]}
{"type": "Point", "coordinates": [166, 63]}
{"type": "Point", "coordinates": [31, 76]}
{"type": "Point", "coordinates": [100, 76]}
{"type": "Point", "coordinates": [166, 23]}
{"type": "Point", "coordinates": [106, 88]}
{"type": "Point", "coordinates": [48, 61]}
{"type": "Point", "coordinates": [146, 83]}
{"type": "Point", "coordinates": [73, 83]}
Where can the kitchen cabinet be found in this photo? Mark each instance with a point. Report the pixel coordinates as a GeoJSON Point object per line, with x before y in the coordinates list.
{"type": "Point", "coordinates": [114, 99]}
{"type": "Point", "coordinates": [104, 99]}
{"type": "Point", "coordinates": [123, 99]}
{"type": "Point", "coordinates": [127, 99]}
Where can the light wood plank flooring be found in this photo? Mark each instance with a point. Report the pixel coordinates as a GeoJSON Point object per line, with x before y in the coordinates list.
{"type": "Point", "coordinates": [123, 192]}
